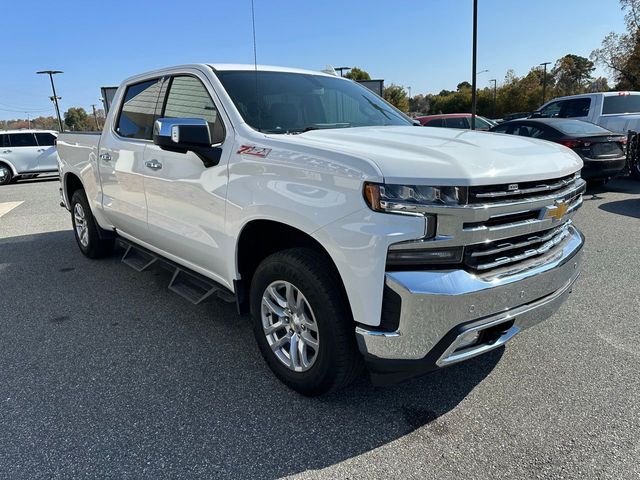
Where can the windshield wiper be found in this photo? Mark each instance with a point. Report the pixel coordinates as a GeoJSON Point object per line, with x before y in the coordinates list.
{"type": "Point", "coordinates": [323, 126]}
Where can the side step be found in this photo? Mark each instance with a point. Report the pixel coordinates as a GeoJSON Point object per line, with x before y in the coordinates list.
{"type": "Point", "coordinates": [190, 285]}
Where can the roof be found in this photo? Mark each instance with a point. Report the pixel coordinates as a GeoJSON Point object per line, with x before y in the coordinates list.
{"type": "Point", "coordinates": [448, 115]}
{"type": "Point", "coordinates": [264, 68]}
{"type": "Point", "coordinates": [29, 130]}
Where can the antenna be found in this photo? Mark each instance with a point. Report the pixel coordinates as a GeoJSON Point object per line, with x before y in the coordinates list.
{"type": "Point", "coordinates": [255, 64]}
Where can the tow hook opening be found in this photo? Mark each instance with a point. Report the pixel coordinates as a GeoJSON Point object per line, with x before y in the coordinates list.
{"type": "Point", "coordinates": [477, 340]}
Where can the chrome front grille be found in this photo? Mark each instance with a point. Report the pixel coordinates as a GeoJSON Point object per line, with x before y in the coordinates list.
{"type": "Point", "coordinates": [497, 254]}
{"type": "Point", "coordinates": [516, 191]}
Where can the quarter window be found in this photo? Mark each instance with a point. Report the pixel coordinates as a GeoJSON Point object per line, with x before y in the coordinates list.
{"type": "Point", "coordinates": [45, 139]}
{"type": "Point", "coordinates": [138, 110]}
{"type": "Point", "coordinates": [188, 98]}
{"type": "Point", "coordinates": [22, 140]}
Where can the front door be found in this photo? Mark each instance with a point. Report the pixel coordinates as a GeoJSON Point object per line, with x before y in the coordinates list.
{"type": "Point", "coordinates": [22, 152]}
{"type": "Point", "coordinates": [186, 200]}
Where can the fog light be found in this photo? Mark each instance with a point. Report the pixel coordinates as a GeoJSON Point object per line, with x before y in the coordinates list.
{"type": "Point", "coordinates": [423, 256]}
{"type": "Point", "coordinates": [468, 340]}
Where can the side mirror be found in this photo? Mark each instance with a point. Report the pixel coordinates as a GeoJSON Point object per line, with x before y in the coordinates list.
{"type": "Point", "coordinates": [536, 114]}
{"type": "Point", "coordinates": [184, 135]}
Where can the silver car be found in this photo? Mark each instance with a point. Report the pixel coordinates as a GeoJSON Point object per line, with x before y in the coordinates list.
{"type": "Point", "coordinates": [26, 154]}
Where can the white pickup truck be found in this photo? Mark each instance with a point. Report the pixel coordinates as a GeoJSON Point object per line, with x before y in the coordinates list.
{"type": "Point", "coordinates": [615, 111]}
{"type": "Point", "coordinates": [352, 236]}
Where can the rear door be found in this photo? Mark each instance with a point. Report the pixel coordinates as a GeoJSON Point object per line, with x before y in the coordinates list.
{"type": "Point", "coordinates": [47, 155]}
{"type": "Point", "coordinates": [22, 152]}
{"type": "Point", "coordinates": [121, 158]}
{"type": "Point", "coordinates": [186, 200]}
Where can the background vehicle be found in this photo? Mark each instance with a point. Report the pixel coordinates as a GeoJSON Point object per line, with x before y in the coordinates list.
{"type": "Point", "coordinates": [602, 151]}
{"type": "Point", "coordinates": [615, 111]}
{"type": "Point", "coordinates": [26, 153]}
{"type": "Point", "coordinates": [348, 233]}
{"type": "Point", "coordinates": [455, 120]}
{"type": "Point", "coordinates": [515, 116]}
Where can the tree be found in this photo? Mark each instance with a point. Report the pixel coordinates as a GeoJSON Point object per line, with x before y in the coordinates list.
{"type": "Point", "coordinates": [76, 118]}
{"type": "Point", "coordinates": [419, 104]}
{"type": "Point", "coordinates": [396, 96]}
{"type": "Point", "coordinates": [571, 72]}
{"type": "Point", "coordinates": [357, 74]}
{"type": "Point", "coordinates": [620, 53]}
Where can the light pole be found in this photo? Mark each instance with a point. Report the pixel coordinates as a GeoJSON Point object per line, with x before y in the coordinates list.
{"type": "Point", "coordinates": [473, 65]}
{"type": "Point", "coordinates": [482, 71]}
{"type": "Point", "coordinates": [544, 81]}
{"type": "Point", "coordinates": [341, 69]}
{"type": "Point", "coordinates": [51, 73]}
{"type": "Point", "coordinates": [495, 91]}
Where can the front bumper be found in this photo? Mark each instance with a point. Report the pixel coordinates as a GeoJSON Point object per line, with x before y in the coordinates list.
{"type": "Point", "coordinates": [440, 310]}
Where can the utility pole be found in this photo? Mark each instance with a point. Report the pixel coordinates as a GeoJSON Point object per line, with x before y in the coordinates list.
{"type": "Point", "coordinates": [544, 82]}
{"type": "Point", "coordinates": [28, 120]}
{"type": "Point", "coordinates": [473, 65]}
{"type": "Point", "coordinates": [55, 97]}
{"type": "Point", "coordinates": [495, 92]}
{"type": "Point", "coordinates": [95, 116]}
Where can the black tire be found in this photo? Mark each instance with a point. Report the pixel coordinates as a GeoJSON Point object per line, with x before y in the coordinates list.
{"type": "Point", "coordinates": [94, 246]}
{"type": "Point", "coordinates": [338, 361]}
{"type": "Point", "coordinates": [634, 170]}
{"type": "Point", "coordinates": [6, 175]}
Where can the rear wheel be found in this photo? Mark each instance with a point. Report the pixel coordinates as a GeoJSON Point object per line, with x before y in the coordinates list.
{"type": "Point", "coordinates": [302, 322]}
{"type": "Point", "coordinates": [5, 174]}
{"type": "Point", "coordinates": [86, 229]}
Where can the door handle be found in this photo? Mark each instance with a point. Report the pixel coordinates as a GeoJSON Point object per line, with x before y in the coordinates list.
{"type": "Point", "coordinates": [41, 149]}
{"type": "Point", "coordinates": [153, 164]}
{"type": "Point", "coordinates": [105, 157]}
{"type": "Point", "coordinates": [6, 151]}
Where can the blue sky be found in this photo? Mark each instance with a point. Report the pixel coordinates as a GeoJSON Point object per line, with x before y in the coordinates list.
{"type": "Point", "coordinates": [423, 44]}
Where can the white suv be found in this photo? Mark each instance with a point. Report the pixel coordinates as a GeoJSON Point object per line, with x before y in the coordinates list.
{"type": "Point", "coordinates": [26, 154]}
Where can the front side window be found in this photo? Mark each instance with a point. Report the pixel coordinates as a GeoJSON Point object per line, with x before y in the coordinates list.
{"type": "Point", "coordinates": [482, 123]}
{"type": "Point", "coordinates": [188, 98]}
{"type": "Point", "coordinates": [286, 102]}
{"type": "Point", "coordinates": [138, 110]}
{"type": "Point", "coordinates": [22, 140]}
{"type": "Point", "coordinates": [45, 139]}
{"type": "Point", "coordinates": [551, 110]}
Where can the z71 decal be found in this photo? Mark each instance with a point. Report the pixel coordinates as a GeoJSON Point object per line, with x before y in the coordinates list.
{"type": "Point", "coordinates": [253, 150]}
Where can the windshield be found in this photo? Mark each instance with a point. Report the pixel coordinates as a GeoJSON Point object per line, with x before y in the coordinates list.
{"type": "Point", "coordinates": [578, 127]}
{"type": "Point", "coordinates": [295, 102]}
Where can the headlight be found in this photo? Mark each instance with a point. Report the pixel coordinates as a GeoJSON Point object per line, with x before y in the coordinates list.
{"type": "Point", "coordinates": [410, 198]}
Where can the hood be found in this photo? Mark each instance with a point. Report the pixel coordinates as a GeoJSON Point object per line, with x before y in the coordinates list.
{"type": "Point", "coordinates": [442, 156]}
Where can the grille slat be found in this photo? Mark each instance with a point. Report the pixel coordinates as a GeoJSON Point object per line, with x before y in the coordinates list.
{"type": "Point", "coordinates": [516, 191]}
{"type": "Point", "coordinates": [486, 257]}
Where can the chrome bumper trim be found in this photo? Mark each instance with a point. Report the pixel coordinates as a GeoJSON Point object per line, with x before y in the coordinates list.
{"type": "Point", "coordinates": [436, 302]}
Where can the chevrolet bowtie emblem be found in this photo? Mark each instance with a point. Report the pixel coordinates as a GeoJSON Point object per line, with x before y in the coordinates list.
{"type": "Point", "coordinates": [557, 211]}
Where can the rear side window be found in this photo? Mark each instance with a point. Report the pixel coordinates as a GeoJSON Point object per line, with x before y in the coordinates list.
{"type": "Point", "coordinates": [528, 131]}
{"type": "Point", "coordinates": [188, 98]}
{"type": "Point", "coordinates": [22, 140]}
{"type": "Point", "coordinates": [138, 110]}
{"type": "Point", "coordinates": [578, 107]}
{"type": "Point", "coordinates": [621, 104]}
{"type": "Point", "coordinates": [457, 123]}
{"type": "Point", "coordinates": [436, 122]}
{"type": "Point", "coordinates": [45, 139]}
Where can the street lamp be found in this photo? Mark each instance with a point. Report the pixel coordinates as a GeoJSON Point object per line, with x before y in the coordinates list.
{"type": "Point", "coordinates": [341, 69]}
{"type": "Point", "coordinates": [495, 90]}
{"type": "Point", "coordinates": [544, 81]}
{"type": "Point", "coordinates": [473, 65]}
{"type": "Point", "coordinates": [482, 71]}
{"type": "Point", "coordinates": [55, 97]}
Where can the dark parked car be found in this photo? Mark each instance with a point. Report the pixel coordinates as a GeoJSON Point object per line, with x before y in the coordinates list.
{"type": "Point", "coordinates": [455, 120]}
{"type": "Point", "coordinates": [602, 151]}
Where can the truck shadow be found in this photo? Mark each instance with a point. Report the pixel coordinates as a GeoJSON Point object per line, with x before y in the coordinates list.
{"type": "Point", "coordinates": [139, 382]}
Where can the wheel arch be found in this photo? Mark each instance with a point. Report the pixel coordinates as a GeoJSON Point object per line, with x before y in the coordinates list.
{"type": "Point", "coordinates": [71, 183]}
{"type": "Point", "coordinates": [260, 238]}
{"type": "Point", "coordinates": [10, 165]}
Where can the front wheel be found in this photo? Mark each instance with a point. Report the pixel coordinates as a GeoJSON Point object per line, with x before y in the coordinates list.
{"type": "Point", "coordinates": [5, 174]}
{"type": "Point", "coordinates": [302, 322]}
{"type": "Point", "coordinates": [86, 229]}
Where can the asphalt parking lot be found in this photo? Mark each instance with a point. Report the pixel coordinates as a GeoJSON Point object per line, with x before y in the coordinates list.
{"type": "Point", "coordinates": [104, 373]}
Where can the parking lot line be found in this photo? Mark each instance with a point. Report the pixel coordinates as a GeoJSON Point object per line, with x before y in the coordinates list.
{"type": "Point", "coordinates": [6, 207]}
